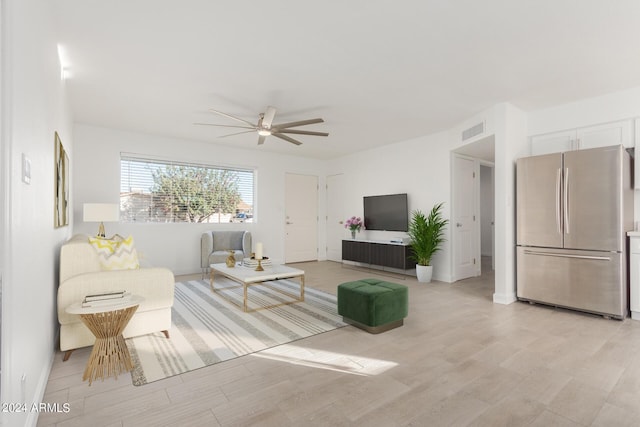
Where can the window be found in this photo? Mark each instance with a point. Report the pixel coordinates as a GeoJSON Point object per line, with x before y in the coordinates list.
{"type": "Point", "coordinates": [165, 191]}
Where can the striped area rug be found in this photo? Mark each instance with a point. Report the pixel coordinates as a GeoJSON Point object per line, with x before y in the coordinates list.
{"type": "Point", "coordinates": [208, 329]}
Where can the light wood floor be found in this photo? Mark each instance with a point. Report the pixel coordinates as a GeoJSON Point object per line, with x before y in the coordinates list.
{"type": "Point", "coordinates": [459, 359]}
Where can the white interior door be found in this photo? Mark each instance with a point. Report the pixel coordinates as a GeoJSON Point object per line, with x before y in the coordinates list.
{"type": "Point", "coordinates": [301, 218]}
{"type": "Point", "coordinates": [466, 250]}
{"type": "Point", "coordinates": [335, 216]}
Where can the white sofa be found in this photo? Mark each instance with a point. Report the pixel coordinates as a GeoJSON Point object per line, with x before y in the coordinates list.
{"type": "Point", "coordinates": [81, 274]}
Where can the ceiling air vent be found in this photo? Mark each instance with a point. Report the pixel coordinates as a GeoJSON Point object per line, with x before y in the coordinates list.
{"type": "Point", "coordinates": [473, 131]}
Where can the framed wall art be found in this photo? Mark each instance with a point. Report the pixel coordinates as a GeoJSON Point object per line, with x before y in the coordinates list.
{"type": "Point", "coordinates": [61, 207]}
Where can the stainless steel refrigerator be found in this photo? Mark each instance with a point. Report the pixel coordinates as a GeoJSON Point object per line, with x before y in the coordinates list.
{"type": "Point", "coordinates": [572, 214]}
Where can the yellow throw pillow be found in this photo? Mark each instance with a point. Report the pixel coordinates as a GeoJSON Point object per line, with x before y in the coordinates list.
{"type": "Point", "coordinates": [116, 253]}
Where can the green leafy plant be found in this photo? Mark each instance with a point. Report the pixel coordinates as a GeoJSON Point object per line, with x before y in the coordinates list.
{"type": "Point", "coordinates": [193, 194]}
{"type": "Point", "coordinates": [427, 233]}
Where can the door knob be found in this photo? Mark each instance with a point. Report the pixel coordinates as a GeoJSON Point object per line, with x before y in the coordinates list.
{"type": "Point", "coordinates": [458, 224]}
{"type": "Point", "coordinates": [289, 222]}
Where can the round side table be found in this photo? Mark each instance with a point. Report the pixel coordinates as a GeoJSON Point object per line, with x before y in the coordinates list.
{"type": "Point", "coordinates": [110, 355]}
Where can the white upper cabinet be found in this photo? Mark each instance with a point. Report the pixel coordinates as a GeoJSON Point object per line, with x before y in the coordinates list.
{"type": "Point", "coordinates": [614, 133]}
{"type": "Point", "coordinates": [602, 135]}
{"type": "Point", "coordinates": [553, 142]}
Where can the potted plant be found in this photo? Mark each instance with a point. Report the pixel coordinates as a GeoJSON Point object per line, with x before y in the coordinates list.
{"type": "Point", "coordinates": [427, 235]}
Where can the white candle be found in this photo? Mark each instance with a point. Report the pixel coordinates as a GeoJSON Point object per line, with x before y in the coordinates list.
{"type": "Point", "coordinates": [258, 250]}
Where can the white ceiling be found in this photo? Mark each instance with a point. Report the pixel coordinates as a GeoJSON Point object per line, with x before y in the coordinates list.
{"type": "Point", "coordinates": [378, 72]}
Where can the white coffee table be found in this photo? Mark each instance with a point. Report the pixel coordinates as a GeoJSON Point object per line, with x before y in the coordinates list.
{"type": "Point", "coordinates": [248, 276]}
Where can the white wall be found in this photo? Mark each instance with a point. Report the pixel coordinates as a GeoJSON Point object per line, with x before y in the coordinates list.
{"type": "Point", "coordinates": [33, 108]}
{"type": "Point", "coordinates": [510, 144]}
{"type": "Point", "coordinates": [418, 167]}
{"type": "Point", "coordinates": [607, 108]}
{"type": "Point", "coordinates": [177, 246]}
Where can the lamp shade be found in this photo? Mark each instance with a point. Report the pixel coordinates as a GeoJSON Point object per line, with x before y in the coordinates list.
{"type": "Point", "coordinates": [100, 212]}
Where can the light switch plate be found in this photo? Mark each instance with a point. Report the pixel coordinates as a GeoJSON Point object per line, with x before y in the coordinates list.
{"type": "Point", "coordinates": [26, 169]}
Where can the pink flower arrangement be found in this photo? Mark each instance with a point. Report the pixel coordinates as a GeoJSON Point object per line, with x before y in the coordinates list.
{"type": "Point", "coordinates": [354, 224]}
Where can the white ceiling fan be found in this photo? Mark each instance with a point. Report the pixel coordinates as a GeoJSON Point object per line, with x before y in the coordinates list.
{"type": "Point", "coordinates": [266, 127]}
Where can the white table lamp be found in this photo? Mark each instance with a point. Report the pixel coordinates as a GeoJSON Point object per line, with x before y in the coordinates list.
{"type": "Point", "coordinates": [101, 212]}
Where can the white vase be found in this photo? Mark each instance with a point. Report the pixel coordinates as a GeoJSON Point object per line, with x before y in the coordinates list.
{"type": "Point", "coordinates": [424, 273]}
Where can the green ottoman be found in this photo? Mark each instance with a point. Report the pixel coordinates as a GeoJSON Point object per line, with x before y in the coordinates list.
{"type": "Point", "coordinates": [373, 305]}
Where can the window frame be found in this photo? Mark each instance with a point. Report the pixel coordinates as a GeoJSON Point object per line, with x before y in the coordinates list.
{"type": "Point", "coordinates": [249, 188]}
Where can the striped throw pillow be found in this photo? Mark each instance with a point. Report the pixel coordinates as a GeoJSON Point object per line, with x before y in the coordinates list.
{"type": "Point", "coordinates": [116, 253]}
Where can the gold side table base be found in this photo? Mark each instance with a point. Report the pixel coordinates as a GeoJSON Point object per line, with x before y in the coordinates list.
{"type": "Point", "coordinates": [110, 355]}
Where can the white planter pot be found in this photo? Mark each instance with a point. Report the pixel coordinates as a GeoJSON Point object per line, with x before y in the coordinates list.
{"type": "Point", "coordinates": [424, 273]}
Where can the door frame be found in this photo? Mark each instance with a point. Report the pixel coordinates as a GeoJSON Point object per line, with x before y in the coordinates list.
{"type": "Point", "coordinates": [5, 168]}
{"type": "Point", "coordinates": [490, 165]}
{"type": "Point", "coordinates": [482, 152]}
{"type": "Point", "coordinates": [5, 218]}
{"type": "Point", "coordinates": [329, 194]}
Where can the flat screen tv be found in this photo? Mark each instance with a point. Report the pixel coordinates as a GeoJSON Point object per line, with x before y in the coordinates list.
{"type": "Point", "coordinates": [389, 212]}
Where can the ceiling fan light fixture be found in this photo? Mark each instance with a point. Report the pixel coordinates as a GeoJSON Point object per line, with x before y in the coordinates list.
{"type": "Point", "coordinates": [265, 126]}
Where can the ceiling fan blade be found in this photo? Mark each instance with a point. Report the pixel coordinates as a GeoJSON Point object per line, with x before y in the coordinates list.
{"type": "Point", "coordinates": [261, 139]}
{"type": "Point", "coordinates": [237, 133]}
{"type": "Point", "coordinates": [225, 126]}
{"type": "Point", "coordinates": [268, 117]}
{"type": "Point", "coordinates": [286, 138]}
{"type": "Point", "coordinates": [299, 123]}
{"type": "Point", "coordinates": [301, 132]}
{"type": "Point", "coordinates": [232, 117]}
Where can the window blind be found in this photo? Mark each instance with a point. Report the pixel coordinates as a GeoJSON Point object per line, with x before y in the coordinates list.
{"type": "Point", "coordinates": [153, 190]}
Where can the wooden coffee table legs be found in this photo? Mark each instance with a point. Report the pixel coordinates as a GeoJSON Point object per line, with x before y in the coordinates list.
{"type": "Point", "coordinates": [110, 355]}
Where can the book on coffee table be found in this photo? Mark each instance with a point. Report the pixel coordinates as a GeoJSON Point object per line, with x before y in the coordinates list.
{"type": "Point", "coordinates": [123, 298]}
{"type": "Point", "coordinates": [253, 263]}
{"type": "Point", "coordinates": [105, 295]}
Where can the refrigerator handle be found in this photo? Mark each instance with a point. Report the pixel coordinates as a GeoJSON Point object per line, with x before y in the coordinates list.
{"type": "Point", "coordinates": [566, 201]}
{"type": "Point", "coordinates": [558, 215]}
{"type": "Point", "coordinates": [561, 255]}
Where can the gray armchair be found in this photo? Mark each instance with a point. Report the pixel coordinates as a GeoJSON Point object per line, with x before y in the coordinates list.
{"type": "Point", "coordinates": [215, 247]}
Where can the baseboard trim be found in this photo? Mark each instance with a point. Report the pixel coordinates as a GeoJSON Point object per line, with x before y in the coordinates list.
{"type": "Point", "coordinates": [41, 386]}
{"type": "Point", "coordinates": [505, 299]}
